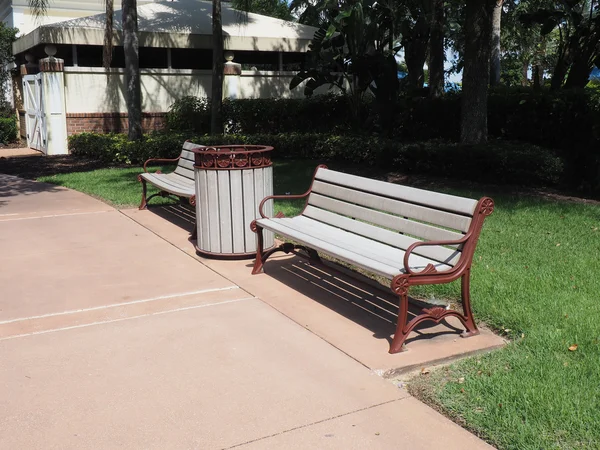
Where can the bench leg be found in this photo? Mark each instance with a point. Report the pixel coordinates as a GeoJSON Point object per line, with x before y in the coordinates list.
{"type": "Point", "coordinates": [400, 286]}
{"type": "Point", "coordinates": [144, 203]}
{"type": "Point", "coordinates": [194, 232]}
{"type": "Point", "coordinates": [260, 255]}
{"type": "Point", "coordinates": [468, 321]}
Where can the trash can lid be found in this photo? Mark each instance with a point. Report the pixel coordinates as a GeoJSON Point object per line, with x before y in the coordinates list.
{"type": "Point", "coordinates": [232, 157]}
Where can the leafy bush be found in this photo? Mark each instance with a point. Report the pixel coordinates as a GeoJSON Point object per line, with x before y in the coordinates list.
{"type": "Point", "coordinates": [189, 114]}
{"type": "Point", "coordinates": [502, 162]}
{"type": "Point", "coordinates": [250, 116]}
{"type": "Point", "coordinates": [8, 129]}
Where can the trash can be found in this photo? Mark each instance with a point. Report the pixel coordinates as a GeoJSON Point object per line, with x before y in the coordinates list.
{"type": "Point", "coordinates": [231, 181]}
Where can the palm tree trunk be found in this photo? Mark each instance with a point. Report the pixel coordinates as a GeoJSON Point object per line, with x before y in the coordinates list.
{"type": "Point", "coordinates": [495, 56]}
{"type": "Point", "coordinates": [133, 97]}
{"type": "Point", "coordinates": [216, 119]}
{"type": "Point", "coordinates": [436, 53]}
{"type": "Point", "coordinates": [478, 32]}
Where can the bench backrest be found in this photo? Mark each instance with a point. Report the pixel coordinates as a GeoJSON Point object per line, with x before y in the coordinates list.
{"type": "Point", "coordinates": [185, 165]}
{"type": "Point", "coordinates": [389, 213]}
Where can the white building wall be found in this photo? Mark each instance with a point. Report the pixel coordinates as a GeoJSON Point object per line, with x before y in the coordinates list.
{"type": "Point", "coordinates": [92, 90]}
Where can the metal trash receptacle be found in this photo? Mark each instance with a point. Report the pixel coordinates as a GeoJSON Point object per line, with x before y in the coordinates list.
{"type": "Point", "coordinates": [231, 181]}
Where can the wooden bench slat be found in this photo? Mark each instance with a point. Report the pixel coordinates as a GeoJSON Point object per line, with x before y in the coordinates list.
{"type": "Point", "coordinates": [356, 250]}
{"type": "Point", "coordinates": [391, 238]}
{"type": "Point", "coordinates": [167, 183]}
{"type": "Point", "coordinates": [404, 209]}
{"type": "Point", "coordinates": [416, 196]}
{"type": "Point", "coordinates": [185, 173]}
{"type": "Point", "coordinates": [186, 163]}
{"type": "Point", "coordinates": [373, 248]}
{"type": "Point", "coordinates": [410, 227]}
{"type": "Point", "coordinates": [369, 248]}
{"type": "Point", "coordinates": [191, 146]}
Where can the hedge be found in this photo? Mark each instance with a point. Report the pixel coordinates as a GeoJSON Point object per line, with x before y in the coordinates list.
{"type": "Point", "coordinates": [567, 121]}
{"type": "Point", "coordinates": [502, 162]}
{"type": "Point", "coordinates": [8, 129]}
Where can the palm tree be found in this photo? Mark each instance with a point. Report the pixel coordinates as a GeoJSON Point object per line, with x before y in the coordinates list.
{"type": "Point", "coordinates": [216, 106]}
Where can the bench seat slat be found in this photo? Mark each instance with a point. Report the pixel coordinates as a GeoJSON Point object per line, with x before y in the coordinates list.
{"type": "Point", "coordinates": [391, 238]}
{"type": "Point", "coordinates": [169, 181]}
{"type": "Point", "coordinates": [432, 199]}
{"type": "Point", "coordinates": [365, 253]}
{"type": "Point", "coordinates": [404, 209]}
{"type": "Point", "coordinates": [177, 185]}
{"type": "Point", "coordinates": [418, 229]}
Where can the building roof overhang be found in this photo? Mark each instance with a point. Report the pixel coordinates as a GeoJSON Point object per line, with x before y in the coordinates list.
{"type": "Point", "coordinates": [178, 24]}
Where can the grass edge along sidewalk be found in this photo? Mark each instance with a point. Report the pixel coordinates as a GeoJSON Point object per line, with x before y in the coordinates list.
{"type": "Point", "coordinates": [535, 279]}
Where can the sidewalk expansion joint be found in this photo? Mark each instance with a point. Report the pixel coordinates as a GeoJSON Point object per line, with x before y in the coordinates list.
{"type": "Point", "coordinates": [299, 427]}
{"type": "Point", "coordinates": [49, 216]}
{"type": "Point", "coordinates": [102, 322]}
{"type": "Point", "coordinates": [117, 305]}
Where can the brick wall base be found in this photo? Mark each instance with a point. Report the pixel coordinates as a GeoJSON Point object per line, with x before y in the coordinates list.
{"type": "Point", "coordinates": [111, 122]}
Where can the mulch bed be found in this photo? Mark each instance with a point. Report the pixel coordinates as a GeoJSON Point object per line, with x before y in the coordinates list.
{"type": "Point", "coordinates": [33, 167]}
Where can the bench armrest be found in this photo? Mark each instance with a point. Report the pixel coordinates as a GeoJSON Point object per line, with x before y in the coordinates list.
{"type": "Point", "coordinates": [289, 197]}
{"type": "Point", "coordinates": [279, 197]}
{"type": "Point", "coordinates": [159, 160]}
{"type": "Point", "coordinates": [430, 268]}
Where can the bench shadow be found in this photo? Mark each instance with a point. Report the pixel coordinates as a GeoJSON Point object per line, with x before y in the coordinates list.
{"type": "Point", "coordinates": [362, 302]}
{"type": "Point", "coordinates": [365, 302]}
{"type": "Point", "coordinates": [178, 213]}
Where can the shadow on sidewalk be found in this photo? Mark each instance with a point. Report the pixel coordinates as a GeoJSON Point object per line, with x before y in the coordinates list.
{"type": "Point", "coordinates": [353, 296]}
{"type": "Point", "coordinates": [11, 186]}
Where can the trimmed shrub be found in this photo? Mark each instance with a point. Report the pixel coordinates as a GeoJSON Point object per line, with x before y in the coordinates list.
{"type": "Point", "coordinates": [8, 129]}
{"type": "Point", "coordinates": [189, 114]}
{"type": "Point", "coordinates": [503, 162]}
{"type": "Point", "coordinates": [320, 114]}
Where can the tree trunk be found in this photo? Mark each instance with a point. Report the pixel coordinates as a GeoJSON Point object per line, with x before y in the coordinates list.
{"type": "Point", "coordinates": [133, 97]}
{"type": "Point", "coordinates": [537, 77]}
{"type": "Point", "coordinates": [495, 52]}
{"type": "Point", "coordinates": [415, 40]}
{"type": "Point", "coordinates": [561, 68]}
{"type": "Point", "coordinates": [524, 71]}
{"type": "Point", "coordinates": [478, 31]}
{"type": "Point", "coordinates": [436, 53]}
{"type": "Point", "coordinates": [216, 106]}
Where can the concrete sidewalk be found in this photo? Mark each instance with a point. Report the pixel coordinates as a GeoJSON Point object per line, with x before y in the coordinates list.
{"type": "Point", "coordinates": [113, 337]}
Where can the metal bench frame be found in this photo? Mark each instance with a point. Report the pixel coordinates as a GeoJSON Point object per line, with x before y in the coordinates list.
{"type": "Point", "coordinates": [406, 275]}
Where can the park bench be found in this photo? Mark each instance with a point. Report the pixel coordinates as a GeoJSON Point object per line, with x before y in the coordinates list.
{"type": "Point", "coordinates": [179, 183]}
{"type": "Point", "coordinates": [407, 235]}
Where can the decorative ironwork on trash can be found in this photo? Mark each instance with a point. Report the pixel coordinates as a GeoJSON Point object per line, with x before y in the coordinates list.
{"type": "Point", "coordinates": [231, 181]}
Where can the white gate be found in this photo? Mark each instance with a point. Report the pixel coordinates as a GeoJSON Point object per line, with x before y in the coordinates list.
{"type": "Point", "coordinates": [35, 122]}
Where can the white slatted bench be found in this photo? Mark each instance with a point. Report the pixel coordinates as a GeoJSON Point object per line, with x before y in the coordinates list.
{"type": "Point", "coordinates": [180, 182]}
{"type": "Point", "coordinates": [410, 236]}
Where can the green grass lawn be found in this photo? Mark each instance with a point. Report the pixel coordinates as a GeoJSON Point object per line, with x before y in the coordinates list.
{"type": "Point", "coordinates": [536, 277]}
